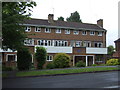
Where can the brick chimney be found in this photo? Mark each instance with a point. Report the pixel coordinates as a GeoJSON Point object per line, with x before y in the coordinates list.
{"type": "Point", "coordinates": [51, 18]}
{"type": "Point", "coordinates": [100, 22]}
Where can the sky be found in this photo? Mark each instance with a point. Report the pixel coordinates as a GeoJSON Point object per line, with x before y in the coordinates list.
{"type": "Point", "coordinates": [90, 11]}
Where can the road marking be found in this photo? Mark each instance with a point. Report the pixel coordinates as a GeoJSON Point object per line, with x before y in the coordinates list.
{"type": "Point", "coordinates": [112, 87]}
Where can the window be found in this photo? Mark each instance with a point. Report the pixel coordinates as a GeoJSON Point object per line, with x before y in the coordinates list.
{"type": "Point", "coordinates": [11, 57]}
{"type": "Point", "coordinates": [49, 58]}
{"type": "Point", "coordinates": [27, 29]}
{"type": "Point", "coordinates": [87, 44]}
{"type": "Point", "coordinates": [84, 32]}
{"type": "Point", "coordinates": [60, 43]}
{"type": "Point", "coordinates": [29, 42]}
{"type": "Point", "coordinates": [78, 43]}
{"type": "Point", "coordinates": [75, 32]}
{"type": "Point", "coordinates": [99, 33]}
{"type": "Point", "coordinates": [92, 33]}
{"type": "Point", "coordinates": [44, 42]}
{"type": "Point", "coordinates": [47, 30]}
{"type": "Point", "coordinates": [67, 31]}
{"type": "Point", "coordinates": [98, 44]}
{"type": "Point", "coordinates": [37, 29]}
{"type": "Point", "coordinates": [58, 31]}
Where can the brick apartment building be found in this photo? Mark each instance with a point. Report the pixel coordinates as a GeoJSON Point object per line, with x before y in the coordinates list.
{"type": "Point", "coordinates": [82, 41]}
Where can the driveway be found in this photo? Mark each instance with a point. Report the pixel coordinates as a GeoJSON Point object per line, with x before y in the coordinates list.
{"type": "Point", "coordinates": [88, 80]}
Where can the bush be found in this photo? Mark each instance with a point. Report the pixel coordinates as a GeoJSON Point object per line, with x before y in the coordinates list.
{"type": "Point", "coordinates": [80, 64]}
{"type": "Point", "coordinates": [113, 62]}
{"type": "Point", "coordinates": [50, 66]}
{"type": "Point", "coordinates": [7, 68]}
{"type": "Point", "coordinates": [24, 59]}
{"type": "Point", "coordinates": [40, 56]}
{"type": "Point", "coordinates": [94, 64]}
{"type": "Point", "coordinates": [61, 60]}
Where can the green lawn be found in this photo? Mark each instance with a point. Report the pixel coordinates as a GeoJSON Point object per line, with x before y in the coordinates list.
{"type": "Point", "coordinates": [65, 71]}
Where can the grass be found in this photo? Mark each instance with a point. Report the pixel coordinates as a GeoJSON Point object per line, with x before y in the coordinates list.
{"type": "Point", "coordinates": [65, 71]}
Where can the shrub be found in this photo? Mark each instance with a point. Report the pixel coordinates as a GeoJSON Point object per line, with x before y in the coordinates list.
{"type": "Point", "coordinates": [24, 59]}
{"type": "Point", "coordinates": [94, 64]}
{"type": "Point", "coordinates": [7, 68]}
{"type": "Point", "coordinates": [61, 60]}
{"type": "Point", "coordinates": [40, 56]}
{"type": "Point", "coordinates": [50, 66]}
{"type": "Point", "coordinates": [80, 64]}
{"type": "Point", "coordinates": [113, 62]}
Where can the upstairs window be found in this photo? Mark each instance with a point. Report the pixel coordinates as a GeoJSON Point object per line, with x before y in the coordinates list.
{"type": "Point", "coordinates": [47, 30]}
{"type": "Point", "coordinates": [84, 32]}
{"type": "Point", "coordinates": [44, 42]}
{"type": "Point", "coordinates": [75, 32]}
{"type": "Point", "coordinates": [92, 32]}
{"type": "Point", "coordinates": [78, 43]}
{"type": "Point", "coordinates": [37, 29]}
{"type": "Point", "coordinates": [29, 42]}
{"type": "Point", "coordinates": [27, 29]}
{"type": "Point", "coordinates": [58, 30]}
{"type": "Point", "coordinates": [87, 44]}
{"type": "Point", "coordinates": [98, 44]}
{"type": "Point", "coordinates": [67, 31]}
{"type": "Point", "coordinates": [99, 33]}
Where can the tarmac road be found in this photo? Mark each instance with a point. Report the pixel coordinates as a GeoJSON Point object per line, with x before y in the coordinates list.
{"type": "Point", "coordinates": [86, 80]}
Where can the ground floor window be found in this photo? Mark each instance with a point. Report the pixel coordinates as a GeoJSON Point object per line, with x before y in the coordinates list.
{"type": "Point", "coordinates": [49, 58]}
{"type": "Point", "coordinates": [11, 57]}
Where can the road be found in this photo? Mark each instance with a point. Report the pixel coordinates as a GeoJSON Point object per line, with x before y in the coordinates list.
{"type": "Point", "coordinates": [87, 80]}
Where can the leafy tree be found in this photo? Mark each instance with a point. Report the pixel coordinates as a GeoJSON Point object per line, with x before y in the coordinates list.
{"type": "Point", "coordinates": [60, 18]}
{"type": "Point", "coordinates": [24, 59]}
{"type": "Point", "coordinates": [61, 60]}
{"type": "Point", "coordinates": [14, 14]}
{"type": "Point", "coordinates": [40, 56]}
{"type": "Point", "coordinates": [110, 50]}
{"type": "Point", "coordinates": [75, 17]}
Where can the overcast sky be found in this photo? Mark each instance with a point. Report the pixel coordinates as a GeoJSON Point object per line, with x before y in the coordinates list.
{"type": "Point", "coordinates": [90, 11]}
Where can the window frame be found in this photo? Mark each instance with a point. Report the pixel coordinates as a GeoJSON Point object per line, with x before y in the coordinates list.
{"type": "Point", "coordinates": [50, 59]}
{"type": "Point", "coordinates": [37, 28]}
{"type": "Point", "coordinates": [100, 33]}
{"type": "Point", "coordinates": [84, 32]}
{"type": "Point", "coordinates": [29, 42]}
{"type": "Point", "coordinates": [78, 42]}
{"type": "Point", "coordinates": [76, 31]}
{"type": "Point", "coordinates": [91, 33]}
{"type": "Point", "coordinates": [11, 55]}
{"type": "Point", "coordinates": [49, 30]}
{"type": "Point", "coordinates": [58, 30]}
{"type": "Point", "coordinates": [67, 31]}
{"type": "Point", "coordinates": [26, 29]}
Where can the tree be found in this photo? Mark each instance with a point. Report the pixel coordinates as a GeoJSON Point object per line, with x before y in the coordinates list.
{"type": "Point", "coordinates": [14, 14]}
{"type": "Point", "coordinates": [60, 18]}
{"type": "Point", "coordinates": [75, 17]}
{"type": "Point", "coordinates": [61, 60]}
{"type": "Point", "coordinates": [40, 56]}
{"type": "Point", "coordinates": [24, 59]}
{"type": "Point", "coordinates": [110, 50]}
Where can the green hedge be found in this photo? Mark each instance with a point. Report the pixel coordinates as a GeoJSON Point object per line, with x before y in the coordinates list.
{"type": "Point", "coordinates": [80, 64]}
{"type": "Point", "coordinates": [61, 60]}
{"type": "Point", "coordinates": [113, 62]}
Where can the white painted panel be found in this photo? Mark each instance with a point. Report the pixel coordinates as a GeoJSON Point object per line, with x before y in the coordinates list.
{"type": "Point", "coordinates": [96, 50]}
{"type": "Point", "coordinates": [52, 49]}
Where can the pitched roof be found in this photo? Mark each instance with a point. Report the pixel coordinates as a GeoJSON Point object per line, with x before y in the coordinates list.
{"type": "Point", "coordinates": [63, 24]}
{"type": "Point", "coordinates": [118, 40]}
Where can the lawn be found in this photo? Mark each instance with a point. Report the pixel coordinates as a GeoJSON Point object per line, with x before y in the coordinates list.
{"type": "Point", "coordinates": [65, 71]}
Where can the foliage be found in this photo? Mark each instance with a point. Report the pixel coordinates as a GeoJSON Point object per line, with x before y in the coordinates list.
{"type": "Point", "coordinates": [80, 64]}
{"type": "Point", "coordinates": [113, 62]}
{"type": "Point", "coordinates": [24, 59]}
{"type": "Point", "coordinates": [61, 60]}
{"type": "Point", "coordinates": [4, 68]}
{"type": "Point", "coordinates": [40, 56]}
{"type": "Point", "coordinates": [110, 50]}
{"type": "Point", "coordinates": [50, 66]}
{"type": "Point", "coordinates": [75, 17]}
{"type": "Point", "coordinates": [60, 18]}
{"type": "Point", "coordinates": [94, 64]}
{"type": "Point", "coordinates": [14, 14]}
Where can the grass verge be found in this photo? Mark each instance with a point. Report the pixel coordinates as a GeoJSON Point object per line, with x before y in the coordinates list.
{"type": "Point", "coordinates": [65, 71]}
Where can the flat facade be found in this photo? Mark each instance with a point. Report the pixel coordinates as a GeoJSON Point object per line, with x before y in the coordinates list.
{"type": "Point", "coordinates": [82, 41]}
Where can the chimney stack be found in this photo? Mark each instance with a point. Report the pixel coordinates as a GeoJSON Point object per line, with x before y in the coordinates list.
{"type": "Point", "coordinates": [51, 18]}
{"type": "Point", "coordinates": [100, 22]}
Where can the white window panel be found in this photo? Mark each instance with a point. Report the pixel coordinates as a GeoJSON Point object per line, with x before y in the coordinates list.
{"type": "Point", "coordinates": [58, 30]}
{"type": "Point", "coordinates": [29, 42]}
{"type": "Point", "coordinates": [37, 29]}
{"type": "Point", "coordinates": [78, 43]}
{"type": "Point", "coordinates": [100, 33]}
{"type": "Point", "coordinates": [49, 58]}
{"type": "Point", "coordinates": [75, 32]}
{"type": "Point", "coordinates": [47, 30]}
{"type": "Point", "coordinates": [92, 32]}
{"type": "Point", "coordinates": [67, 31]}
{"type": "Point", "coordinates": [84, 32]}
{"type": "Point", "coordinates": [27, 29]}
